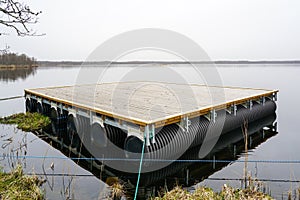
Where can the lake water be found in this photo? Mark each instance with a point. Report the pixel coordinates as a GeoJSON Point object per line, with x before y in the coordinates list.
{"type": "Point", "coordinates": [281, 146]}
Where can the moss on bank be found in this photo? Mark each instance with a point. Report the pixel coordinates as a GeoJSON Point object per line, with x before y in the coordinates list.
{"type": "Point", "coordinates": [16, 185]}
{"type": "Point", "coordinates": [27, 121]}
{"type": "Point", "coordinates": [207, 193]}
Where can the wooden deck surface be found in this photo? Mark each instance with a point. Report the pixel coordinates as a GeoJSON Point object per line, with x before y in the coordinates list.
{"type": "Point", "coordinates": [149, 102]}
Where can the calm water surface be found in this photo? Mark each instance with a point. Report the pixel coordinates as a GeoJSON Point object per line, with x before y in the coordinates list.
{"type": "Point", "coordinates": [282, 146]}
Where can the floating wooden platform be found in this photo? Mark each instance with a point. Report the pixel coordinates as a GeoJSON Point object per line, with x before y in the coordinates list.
{"type": "Point", "coordinates": [145, 103]}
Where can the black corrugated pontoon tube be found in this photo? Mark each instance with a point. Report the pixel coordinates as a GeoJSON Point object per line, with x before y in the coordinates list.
{"type": "Point", "coordinates": [222, 147]}
{"type": "Point", "coordinates": [171, 140]}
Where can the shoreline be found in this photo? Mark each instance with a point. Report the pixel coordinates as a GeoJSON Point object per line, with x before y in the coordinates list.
{"type": "Point", "coordinates": [77, 63]}
{"type": "Point", "coordinates": [68, 63]}
{"type": "Point", "coordinates": [14, 67]}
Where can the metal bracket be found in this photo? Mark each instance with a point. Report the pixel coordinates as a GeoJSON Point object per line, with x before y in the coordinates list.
{"type": "Point", "coordinates": [207, 116]}
{"type": "Point", "coordinates": [213, 115]}
{"type": "Point", "coordinates": [250, 104]}
{"type": "Point", "coordinates": [95, 119]}
{"type": "Point", "coordinates": [28, 96]}
{"type": "Point", "coordinates": [53, 105]}
{"type": "Point", "coordinates": [274, 96]}
{"type": "Point", "coordinates": [234, 109]}
{"type": "Point", "coordinates": [132, 130]}
{"type": "Point", "coordinates": [263, 100]}
{"type": "Point", "coordinates": [147, 135]}
{"type": "Point", "coordinates": [61, 108]}
{"type": "Point", "coordinates": [275, 127]}
{"type": "Point", "coordinates": [136, 133]}
{"type": "Point", "coordinates": [39, 100]}
{"type": "Point", "coordinates": [184, 124]}
{"type": "Point", "coordinates": [245, 104]}
{"type": "Point", "coordinates": [83, 113]}
{"type": "Point", "coordinates": [46, 101]}
{"type": "Point", "coordinates": [152, 133]}
{"type": "Point", "coordinates": [229, 110]}
{"type": "Point", "coordinates": [72, 111]}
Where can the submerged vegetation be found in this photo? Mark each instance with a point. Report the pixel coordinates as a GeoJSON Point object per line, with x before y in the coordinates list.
{"type": "Point", "coordinates": [27, 121]}
{"type": "Point", "coordinates": [16, 185]}
{"type": "Point", "coordinates": [207, 194]}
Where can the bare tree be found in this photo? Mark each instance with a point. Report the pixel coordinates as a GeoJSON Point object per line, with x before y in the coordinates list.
{"type": "Point", "coordinates": [5, 50]}
{"type": "Point", "coordinates": [17, 16]}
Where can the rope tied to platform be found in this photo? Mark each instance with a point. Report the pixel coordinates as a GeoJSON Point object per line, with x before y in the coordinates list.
{"type": "Point", "coordinates": [10, 98]}
{"type": "Point", "coordinates": [140, 170]}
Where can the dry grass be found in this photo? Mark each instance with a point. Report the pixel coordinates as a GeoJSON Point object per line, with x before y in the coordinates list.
{"type": "Point", "coordinates": [207, 194]}
{"type": "Point", "coordinates": [117, 190]}
{"type": "Point", "coordinates": [27, 121]}
{"type": "Point", "coordinates": [16, 185]}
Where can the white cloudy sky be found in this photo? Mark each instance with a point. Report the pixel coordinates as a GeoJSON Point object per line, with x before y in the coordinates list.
{"type": "Point", "coordinates": [225, 29]}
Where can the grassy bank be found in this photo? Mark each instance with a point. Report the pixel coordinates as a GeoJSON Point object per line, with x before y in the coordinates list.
{"type": "Point", "coordinates": [16, 185]}
{"type": "Point", "coordinates": [27, 121]}
{"type": "Point", "coordinates": [207, 193]}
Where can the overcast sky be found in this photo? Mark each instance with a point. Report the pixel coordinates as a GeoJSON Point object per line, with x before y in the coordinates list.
{"type": "Point", "coordinates": [225, 29]}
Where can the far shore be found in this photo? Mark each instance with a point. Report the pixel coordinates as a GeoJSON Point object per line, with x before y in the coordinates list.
{"type": "Point", "coordinates": [72, 63]}
{"type": "Point", "coordinates": [77, 63]}
{"type": "Point", "coordinates": [13, 67]}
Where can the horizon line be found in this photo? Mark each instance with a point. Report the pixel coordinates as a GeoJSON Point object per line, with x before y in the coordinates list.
{"type": "Point", "coordinates": [295, 61]}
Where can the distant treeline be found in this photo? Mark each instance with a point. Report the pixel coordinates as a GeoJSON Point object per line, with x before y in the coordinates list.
{"type": "Point", "coordinates": [18, 60]}
{"type": "Point", "coordinates": [246, 62]}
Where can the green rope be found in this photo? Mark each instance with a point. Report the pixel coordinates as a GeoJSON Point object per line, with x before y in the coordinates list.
{"type": "Point", "coordinates": [140, 169]}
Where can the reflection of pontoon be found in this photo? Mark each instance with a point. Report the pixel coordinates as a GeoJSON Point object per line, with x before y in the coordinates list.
{"type": "Point", "coordinates": [168, 118]}
{"type": "Point", "coordinates": [189, 169]}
